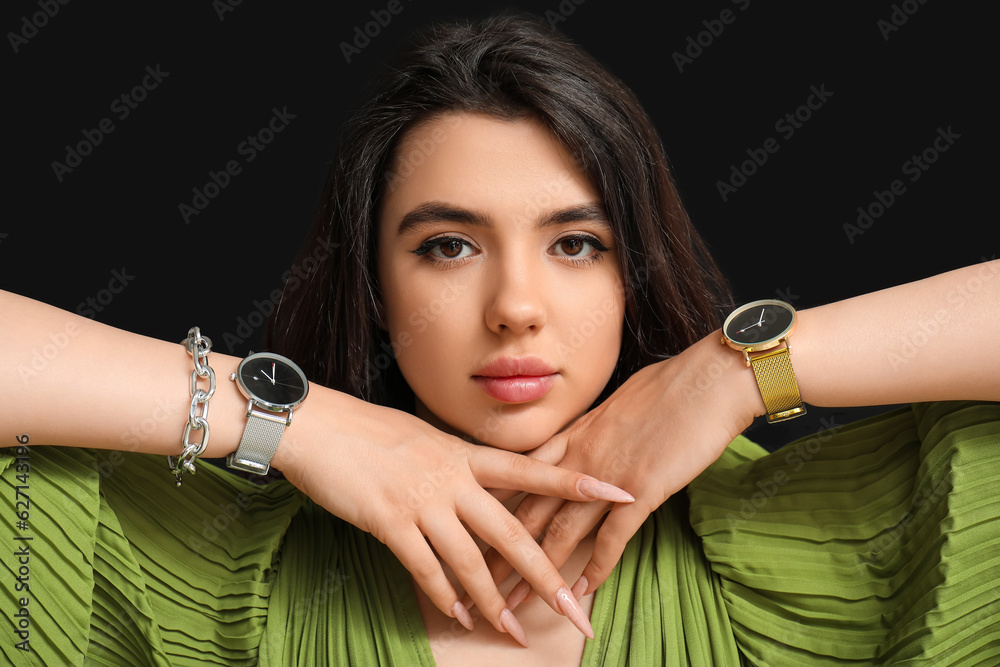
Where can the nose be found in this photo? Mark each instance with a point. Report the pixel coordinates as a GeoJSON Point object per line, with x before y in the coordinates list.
{"type": "Point", "coordinates": [516, 303]}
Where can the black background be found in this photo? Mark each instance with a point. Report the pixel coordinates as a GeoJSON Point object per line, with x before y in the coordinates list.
{"type": "Point", "coordinates": [781, 235]}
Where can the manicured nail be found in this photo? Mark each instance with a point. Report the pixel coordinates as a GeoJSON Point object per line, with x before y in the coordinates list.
{"type": "Point", "coordinates": [571, 608]}
{"type": "Point", "coordinates": [461, 614]}
{"type": "Point", "coordinates": [598, 490]}
{"type": "Point", "coordinates": [580, 587]}
{"type": "Point", "coordinates": [517, 594]}
{"type": "Point", "coordinates": [513, 628]}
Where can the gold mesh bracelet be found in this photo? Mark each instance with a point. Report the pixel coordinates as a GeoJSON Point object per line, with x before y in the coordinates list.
{"type": "Point", "coordinates": [778, 386]}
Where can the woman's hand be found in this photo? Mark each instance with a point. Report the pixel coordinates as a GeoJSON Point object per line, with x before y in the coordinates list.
{"type": "Point", "coordinates": [656, 433]}
{"type": "Point", "coordinates": [672, 419]}
{"type": "Point", "coordinates": [413, 487]}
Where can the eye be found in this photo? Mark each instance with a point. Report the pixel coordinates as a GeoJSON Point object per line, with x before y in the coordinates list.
{"type": "Point", "coordinates": [579, 247]}
{"type": "Point", "coordinates": [445, 249]}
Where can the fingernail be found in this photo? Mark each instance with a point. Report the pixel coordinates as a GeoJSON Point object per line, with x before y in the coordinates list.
{"type": "Point", "coordinates": [598, 490]}
{"type": "Point", "coordinates": [468, 602]}
{"type": "Point", "coordinates": [513, 628]}
{"type": "Point", "coordinates": [461, 614]}
{"type": "Point", "coordinates": [580, 587]}
{"type": "Point", "coordinates": [571, 608]}
{"type": "Point", "coordinates": [517, 594]}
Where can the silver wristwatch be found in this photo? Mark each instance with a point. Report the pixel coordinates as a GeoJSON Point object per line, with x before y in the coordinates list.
{"type": "Point", "coordinates": [275, 386]}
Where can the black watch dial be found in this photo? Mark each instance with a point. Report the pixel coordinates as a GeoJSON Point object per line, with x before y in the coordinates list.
{"type": "Point", "coordinates": [759, 322]}
{"type": "Point", "coordinates": [275, 381]}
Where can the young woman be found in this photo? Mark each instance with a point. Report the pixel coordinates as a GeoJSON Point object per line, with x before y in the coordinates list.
{"type": "Point", "coordinates": [505, 224]}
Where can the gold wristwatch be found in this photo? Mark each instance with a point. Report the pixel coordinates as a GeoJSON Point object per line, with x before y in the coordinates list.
{"type": "Point", "coordinates": [760, 330]}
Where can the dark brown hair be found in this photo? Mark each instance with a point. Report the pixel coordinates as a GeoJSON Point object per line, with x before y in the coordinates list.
{"type": "Point", "coordinates": [507, 66]}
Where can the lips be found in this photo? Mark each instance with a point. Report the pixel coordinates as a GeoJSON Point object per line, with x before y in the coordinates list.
{"type": "Point", "coordinates": [516, 379]}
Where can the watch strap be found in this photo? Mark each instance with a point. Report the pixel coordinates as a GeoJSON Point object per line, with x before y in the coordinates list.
{"type": "Point", "coordinates": [778, 387]}
{"type": "Point", "coordinates": [259, 443]}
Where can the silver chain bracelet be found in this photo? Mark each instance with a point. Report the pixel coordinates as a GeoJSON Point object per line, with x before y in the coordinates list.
{"type": "Point", "coordinates": [198, 347]}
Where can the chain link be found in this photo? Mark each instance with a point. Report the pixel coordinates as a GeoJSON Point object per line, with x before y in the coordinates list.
{"type": "Point", "coordinates": [198, 347]}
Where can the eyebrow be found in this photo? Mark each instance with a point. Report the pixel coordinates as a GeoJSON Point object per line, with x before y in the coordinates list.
{"type": "Point", "coordinates": [436, 211]}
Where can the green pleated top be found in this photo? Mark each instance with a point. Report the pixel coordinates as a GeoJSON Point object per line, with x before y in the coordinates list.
{"type": "Point", "coordinates": [873, 543]}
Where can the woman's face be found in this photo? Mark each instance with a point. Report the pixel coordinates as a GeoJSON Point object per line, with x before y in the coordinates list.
{"type": "Point", "coordinates": [500, 280]}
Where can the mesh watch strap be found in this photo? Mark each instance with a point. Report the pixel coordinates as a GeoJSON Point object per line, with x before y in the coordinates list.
{"type": "Point", "coordinates": [778, 387]}
{"type": "Point", "coordinates": [258, 444]}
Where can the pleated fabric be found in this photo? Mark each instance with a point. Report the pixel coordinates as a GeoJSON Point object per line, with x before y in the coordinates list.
{"type": "Point", "coordinates": [662, 605]}
{"type": "Point", "coordinates": [125, 568]}
{"type": "Point", "coordinates": [342, 599]}
{"type": "Point", "coordinates": [874, 543]}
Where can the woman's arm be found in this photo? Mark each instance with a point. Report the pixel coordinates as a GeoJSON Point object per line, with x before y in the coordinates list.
{"type": "Point", "coordinates": [933, 339]}
{"type": "Point", "coordinates": [70, 381]}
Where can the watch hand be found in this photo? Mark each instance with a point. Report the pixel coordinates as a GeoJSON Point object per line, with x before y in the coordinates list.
{"type": "Point", "coordinates": [289, 384]}
{"type": "Point", "coordinates": [755, 324]}
{"type": "Point", "coordinates": [761, 316]}
{"type": "Point", "coordinates": [268, 376]}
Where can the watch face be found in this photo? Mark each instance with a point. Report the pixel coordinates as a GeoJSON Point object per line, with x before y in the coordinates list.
{"type": "Point", "coordinates": [274, 381]}
{"type": "Point", "coordinates": [759, 323]}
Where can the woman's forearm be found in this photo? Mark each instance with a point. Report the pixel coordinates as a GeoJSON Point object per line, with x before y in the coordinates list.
{"type": "Point", "coordinates": [68, 380]}
{"type": "Point", "coordinates": [933, 339]}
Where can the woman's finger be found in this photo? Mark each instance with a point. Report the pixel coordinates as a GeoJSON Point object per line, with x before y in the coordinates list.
{"type": "Point", "coordinates": [418, 558]}
{"type": "Point", "coordinates": [571, 524]}
{"type": "Point", "coordinates": [498, 469]}
{"type": "Point", "coordinates": [534, 513]}
{"type": "Point", "coordinates": [499, 528]}
{"type": "Point", "coordinates": [621, 524]}
{"type": "Point", "coordinates": [552, 451]}
{"type": "Point", "coordinates": [456, 547]}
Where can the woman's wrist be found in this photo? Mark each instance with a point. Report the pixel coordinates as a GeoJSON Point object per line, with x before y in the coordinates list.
{"type": "Point", "coordinates": [304, 427]}
{"type": "Point", "coordinates": [734, 384]}
{"type": "Point", "coordinates": [328, 418]}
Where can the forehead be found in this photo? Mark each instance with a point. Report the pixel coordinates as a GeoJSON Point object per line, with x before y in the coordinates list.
{"type": "Point", "coordinates": [512, 168]}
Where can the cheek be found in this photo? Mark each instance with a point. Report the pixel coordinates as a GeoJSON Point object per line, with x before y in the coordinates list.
{"type": "Point", "coordinates": [591, 326]}
{"type": "Point", "coordinates": [425, 319]}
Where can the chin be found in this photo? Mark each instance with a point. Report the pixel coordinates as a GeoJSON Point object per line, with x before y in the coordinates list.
{"type": "Point", "coordinates": [515, 442]}
{"type": "Point", "coordinates": [516, 433]}
{"type": "Point", "coordinates": [514, 428]}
